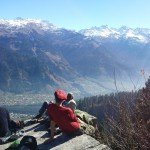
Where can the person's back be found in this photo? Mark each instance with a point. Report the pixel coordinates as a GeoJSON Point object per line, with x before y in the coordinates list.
{"type": "Point", "coordinates": [4, 121]}
{"type": "Point", "coordinates": [71, 104]}
{"type": "Point", "coordinates": [63, 117]}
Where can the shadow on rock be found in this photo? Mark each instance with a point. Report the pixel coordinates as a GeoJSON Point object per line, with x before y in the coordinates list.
{"type": "Point", "coordinates": [60, 139]}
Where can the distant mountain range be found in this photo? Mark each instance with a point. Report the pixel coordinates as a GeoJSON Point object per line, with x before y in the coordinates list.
{"type": "Point", "coordinates": [141, 35]}
{"type": "Point", "coordinates": [36, 56]}
{"type": "Point", "coordinates": [131, 46]}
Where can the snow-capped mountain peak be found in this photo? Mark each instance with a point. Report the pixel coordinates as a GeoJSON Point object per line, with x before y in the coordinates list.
{"type": "Point", "coordinates": [105, 32]}
{"type": "Point", "coordinates": [137, 36]}
{"type": "Point", "coordinates": [140, 35]}
{"type": "Point", "coordinates": [21, 23]}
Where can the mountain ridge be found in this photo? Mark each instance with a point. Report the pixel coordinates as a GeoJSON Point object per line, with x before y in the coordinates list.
{"type": "Point", "coordinates": [39, 56]}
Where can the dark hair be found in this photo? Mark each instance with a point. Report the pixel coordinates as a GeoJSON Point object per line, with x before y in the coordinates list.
{"type": "Point", "coordinates": [69, 96]}
{"type": "Point", "coordinates": [56, 99]}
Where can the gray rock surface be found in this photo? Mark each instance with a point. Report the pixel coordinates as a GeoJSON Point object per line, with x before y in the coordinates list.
{"type": "Point", "coordinates": [61, 141]}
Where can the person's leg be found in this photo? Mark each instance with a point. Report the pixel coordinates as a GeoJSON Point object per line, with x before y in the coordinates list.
{"type": "Point", "coordinates": [42, 110]}
{"type": "Point", "coordinates": [15, 125]}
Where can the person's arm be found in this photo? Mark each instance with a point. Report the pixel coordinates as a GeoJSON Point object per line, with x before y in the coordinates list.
{"type": "Point", "coordinates": [52, 128]}
{"type": "Point", "coordinates": [79, 120]}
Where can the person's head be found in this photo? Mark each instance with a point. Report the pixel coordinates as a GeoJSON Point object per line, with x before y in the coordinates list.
{"type": "Point", "coordinates": [60, 96]}
{"type": "Point", "coordinates": [69, 96]}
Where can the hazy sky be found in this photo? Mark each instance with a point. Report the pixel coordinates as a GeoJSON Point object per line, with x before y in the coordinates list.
{"type": "Point", "coordinates": [79, 14]}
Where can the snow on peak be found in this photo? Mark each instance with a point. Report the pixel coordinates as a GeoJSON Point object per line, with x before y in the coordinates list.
{"type": "Point", "coordinates": [139, 35]}
{"type": "Point", "coordinates": [21, 23]}
{"type": "Point", "coordinates": [133, 34]}
{"type": "Point", "coordinates": [102, 31]}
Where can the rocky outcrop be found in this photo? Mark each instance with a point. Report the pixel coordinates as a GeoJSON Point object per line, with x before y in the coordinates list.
{"type": "Point", "coordinates": [61, 141]}
{"type": "Point", "coordinates": [82, 142]}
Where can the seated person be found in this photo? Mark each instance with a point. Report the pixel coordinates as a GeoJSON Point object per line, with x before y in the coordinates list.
{"type": "Point", "coordinates": [68, 102]}
{"type": "Point", "coordinates": [64, 117]}
{"type": "Point", "coordinates": [7, 126]}
{"type": "Point", "coordinates": [84, 116]}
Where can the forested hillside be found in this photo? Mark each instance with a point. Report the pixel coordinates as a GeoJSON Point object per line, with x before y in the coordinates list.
{"type": "Point", "coordinates": [124, 118]}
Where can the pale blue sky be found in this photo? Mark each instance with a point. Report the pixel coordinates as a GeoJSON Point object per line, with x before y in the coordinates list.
{"type": "Point", "coordinates": [79, 14]}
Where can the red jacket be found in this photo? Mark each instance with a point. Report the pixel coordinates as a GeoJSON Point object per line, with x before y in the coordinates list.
{"type": "Point", "coordinates": [64, 117]}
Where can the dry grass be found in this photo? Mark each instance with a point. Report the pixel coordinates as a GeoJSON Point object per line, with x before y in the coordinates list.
{"type": "Point", "coordinates": [130, 130]}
